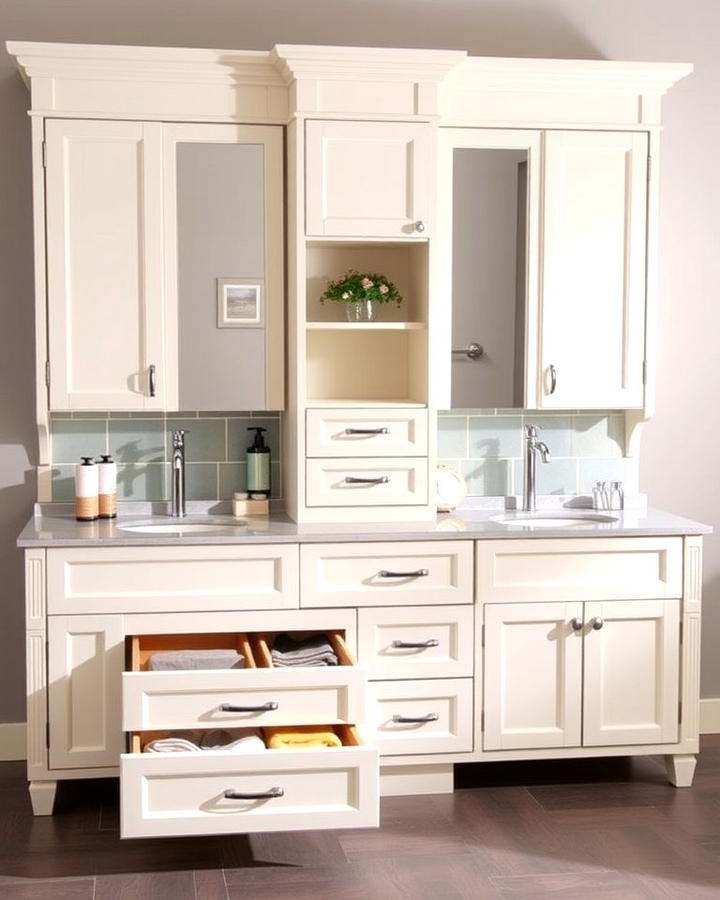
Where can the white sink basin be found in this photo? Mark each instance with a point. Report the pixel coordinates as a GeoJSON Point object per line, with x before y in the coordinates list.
{"type": "Point", "coordinates": [182, 526]}
{"type": "Point", "coordinates": [550, 520]}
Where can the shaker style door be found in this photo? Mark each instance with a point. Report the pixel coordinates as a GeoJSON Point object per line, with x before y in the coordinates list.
{"type": "Point", "coordinates": [593, 249]}
{"type": "Point", "coordinates": [106, 316]}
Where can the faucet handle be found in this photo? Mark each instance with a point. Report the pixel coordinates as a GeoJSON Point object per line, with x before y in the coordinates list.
{"type": "Point", "coordinates": [532, 430]}
{"type": "Point", "coordinates": [178, 438]}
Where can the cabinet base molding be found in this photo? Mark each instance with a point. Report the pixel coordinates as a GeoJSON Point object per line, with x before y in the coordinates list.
{"type": "Point", "coordinates": [681, 769]}
{"type": "Point", "coordinates": [405, 781]}
{"type": "Point", "coordinates": [42, 797]}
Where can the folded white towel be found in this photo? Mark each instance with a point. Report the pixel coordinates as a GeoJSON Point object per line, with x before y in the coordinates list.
{"type": "Point", "coordinates": [234, 740]}
{"type": "Point", "coordinates": [175, 743]}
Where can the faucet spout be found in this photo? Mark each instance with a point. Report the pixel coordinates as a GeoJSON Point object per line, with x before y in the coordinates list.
{"type": "Point", "coordinates": [533, 447]}
{"type": "Point", "coordinates": [177, 502]}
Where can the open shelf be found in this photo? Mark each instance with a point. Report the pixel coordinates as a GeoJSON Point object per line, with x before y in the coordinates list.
{"type": "Point", "coordinates": [365, 326]}
{"type": "Point", "coordinates": [337, 403]}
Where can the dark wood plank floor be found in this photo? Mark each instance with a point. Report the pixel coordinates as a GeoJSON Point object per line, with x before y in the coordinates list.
{"type": "Point", "coordinates": [610, 828]}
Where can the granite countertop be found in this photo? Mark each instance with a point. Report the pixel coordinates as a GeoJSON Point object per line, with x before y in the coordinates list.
{"type": "Point", "coordinates": [58, 528]}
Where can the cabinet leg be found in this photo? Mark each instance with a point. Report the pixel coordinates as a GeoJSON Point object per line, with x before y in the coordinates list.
{"type": "Point", "coordinates": [680, 769]}
{"type": "Point", "coordinates": [42, 797]}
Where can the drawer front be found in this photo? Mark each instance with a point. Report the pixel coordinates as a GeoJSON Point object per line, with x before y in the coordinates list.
{"type": "Point", "coordinates": [579, 569]}
{"type": "Point", "coordinates": [376, 432]}
{"type": "Point", "coordinates": [172, 579]}
{"type": "Point", "coordinates": [416, 642]}
{"type": "Point", "coordinates": [181, 794]}
{"type": "Point", "coordinates": [194, 699]}
{"type": "Point", "coordinates": [407, 717]}
{"type": "Point", "coordinates": [387, 574]}
{"type": "Point", "coordinates": [385, 481]}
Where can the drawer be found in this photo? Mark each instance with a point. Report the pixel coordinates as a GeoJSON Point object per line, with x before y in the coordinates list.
{"type": "Point", "coordinates": [421, 716]}
{"type": "Point", "coordinates": [416, 642]}
{"type": "Point", "coordinates": [182, 794]}
{"type": "Point", "coordinates": [255, 695]}
{"type": "Point", "coordinates": [639, 568]}
{"type": "Point", "coordinates": [373, 432]}
{"type": "Point", "coordinates": [385, 481]}
{"type": "Point", "coordinates": [412, 573]}
{"type": "Point", "coordinates": [171, 579]}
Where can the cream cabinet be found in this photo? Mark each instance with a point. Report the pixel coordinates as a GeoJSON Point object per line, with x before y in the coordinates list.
{"type": "Point", "coordinates": [369, 179]}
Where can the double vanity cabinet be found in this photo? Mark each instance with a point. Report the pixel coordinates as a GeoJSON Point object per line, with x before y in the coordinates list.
{"type": "Point", "coordinates": [453, 646]}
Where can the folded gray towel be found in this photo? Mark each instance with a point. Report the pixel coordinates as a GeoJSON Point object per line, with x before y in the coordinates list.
{"type": "Point", "coordinates": [167, 660]}
{"type": "Point", "coordinates": [315, 650]}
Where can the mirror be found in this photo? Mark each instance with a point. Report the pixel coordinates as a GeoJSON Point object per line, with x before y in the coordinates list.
{"type": "Point", "coordinates": [489, 281]}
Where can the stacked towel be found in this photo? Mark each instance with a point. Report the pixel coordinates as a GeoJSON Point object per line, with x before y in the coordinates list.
{"type": "Point", "coordinates": [234, 740]}
{"type": "Point", "coordinates": [167, 660]}
{"type": "Point", "coordinates": [299, 737]}
{"type": "Point", "coordinates": [315, 650]}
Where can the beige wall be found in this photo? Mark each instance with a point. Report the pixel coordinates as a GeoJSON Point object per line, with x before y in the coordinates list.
{"type": "Point", "coordinates": [680, 449]}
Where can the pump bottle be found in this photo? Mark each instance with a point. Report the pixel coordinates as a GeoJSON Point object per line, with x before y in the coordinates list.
{"type": "Point", "coordinates": [258, 465]}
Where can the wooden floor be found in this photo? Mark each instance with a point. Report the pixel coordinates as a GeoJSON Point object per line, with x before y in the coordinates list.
{"type": "Point", "coordinates": [575, 829]}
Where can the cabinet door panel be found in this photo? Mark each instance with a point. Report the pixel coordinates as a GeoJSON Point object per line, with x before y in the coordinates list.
{"type": "Point", "coordinates": [533, 668]}
{"type": "Point", "coordinates": [631, 673]}
{"type": "Point", "coordinates": [593, 272]}
{"type": "Point", "coordinates": [367, 178]}
{"type": "Point", "coordinates": [85, 669]}
{"type": "Point", "coordinates": [104, 252]}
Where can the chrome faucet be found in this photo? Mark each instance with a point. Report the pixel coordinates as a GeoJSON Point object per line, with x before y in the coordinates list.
{"type": "Point", "coordinates": [177, 508]}
{"type": "Point", "coordinates": [532, 447]}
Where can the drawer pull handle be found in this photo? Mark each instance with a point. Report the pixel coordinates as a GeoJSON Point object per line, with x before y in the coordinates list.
{"type": "Point", "coordinates": [254, 795]}
{"type": "Point", "coordinates": [367, 431]}
{"type": "Point", "coordinates": [416, 720]}
{"type": "Point", "coordinates": [418, 573]}
{"type": "Point", "coordinates": [383, 479]}
{"type": "Point", "coordinates": [415, 645]}
{"type": "Point", "coordinates": [263, 707]}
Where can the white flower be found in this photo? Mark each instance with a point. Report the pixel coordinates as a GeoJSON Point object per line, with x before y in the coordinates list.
{"type": "Point", "coordinates": [346, 296]}
{"type": "Point", "coordinates": [384, 289]}
{"type": "Point", "coordinates": [366, 283]}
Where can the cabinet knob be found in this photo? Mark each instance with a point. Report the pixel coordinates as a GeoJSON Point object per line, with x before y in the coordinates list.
{"type": "Point", "coordinates": [419, 226]}
{"type": "Point", "coordinates": [576, 623]}
{"type": "Point", "coordinates": [597, 622]}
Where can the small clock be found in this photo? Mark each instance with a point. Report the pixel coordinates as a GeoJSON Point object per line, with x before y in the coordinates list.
{"type": "Point", "coordinates": [451, 488]}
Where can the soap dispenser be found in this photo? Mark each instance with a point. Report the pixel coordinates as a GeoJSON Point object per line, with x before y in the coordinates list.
{"type": "Point", "coordinates": [258, 465]}
{"type": "Point", "coordinates": [107, 487]}
{"type": "Point", "coordinates": [86, 490]}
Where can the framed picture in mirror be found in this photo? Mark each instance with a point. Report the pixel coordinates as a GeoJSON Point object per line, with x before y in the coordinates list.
{"type": "Point", "coordinates": [239, 303]}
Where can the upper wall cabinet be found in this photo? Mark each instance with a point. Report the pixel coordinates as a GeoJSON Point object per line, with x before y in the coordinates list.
{"type": "Point", "coordinates": [368, 179]}
{"type": "Point", "coordinates": [592, 294]}
{"type": "Point", "coordinates": [106, 316]}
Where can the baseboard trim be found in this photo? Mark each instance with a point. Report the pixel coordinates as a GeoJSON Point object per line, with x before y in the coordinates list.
{"type": "Point", "coordinates": [710, 716]}
{"type": "Point", "coordinates": [12, 741]}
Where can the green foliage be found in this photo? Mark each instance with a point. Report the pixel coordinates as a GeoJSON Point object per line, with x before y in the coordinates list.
{"type": "Point", "coordinates": [355, 287]}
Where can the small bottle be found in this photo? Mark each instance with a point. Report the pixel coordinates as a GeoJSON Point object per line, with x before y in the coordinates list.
{"type": "Point", "coordinates": [617, 495]}
{"type": "Point", "coordinates": [258, 464]}
{"type": "Point", "coordinates": [107, 487]}
{"type": "Point", "coordinates": [86, 490]}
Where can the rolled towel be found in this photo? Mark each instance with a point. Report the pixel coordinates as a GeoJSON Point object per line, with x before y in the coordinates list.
{"type": "Point", "coordinates": [299, 737]}
{"type": "Point", "coordinates": [315, 650]}
{"type": "Point", "coordinates": [170, 660]}
{"type": "Point", "coordinates": [233, 740]}
{"type": "Point", "coordinates": [181, 742]}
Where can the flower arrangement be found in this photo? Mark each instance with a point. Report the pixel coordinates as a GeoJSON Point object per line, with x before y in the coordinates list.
{"type": "Point", "coordinates": [357, 287]}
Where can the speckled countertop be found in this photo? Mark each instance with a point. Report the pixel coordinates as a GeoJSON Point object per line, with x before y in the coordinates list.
{"type": "Point", "coordinates": [59, 529]}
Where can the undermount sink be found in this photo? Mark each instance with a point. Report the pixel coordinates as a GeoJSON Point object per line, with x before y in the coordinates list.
{"type": "Point", "coordinates": [180, 526]}
{"type": "Point", "coordinates": [549, 520]}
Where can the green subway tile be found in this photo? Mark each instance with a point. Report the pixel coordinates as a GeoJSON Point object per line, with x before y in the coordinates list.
{"type": "Point", "coordinates": [89, 414]}
{"type": "Point", "coordinates": [233, 477]}
{"type": "Point", "coordinates": [133, 441]}
{"type": "Point", "coordinates": [62, 483]}
{"type": "Point", "coordinates": [219, 414]}
{"type": "Point", "coordinates": [140, 481]}
{"type": "Point", "coordinates": [201, 481]}
{"type": "Point", "coordinates": [594, 470]}
{"type": "Point", "coordinates": [239, 438]}
{"type": "Point", "coordinates": [204, 441]}
{"type": "Point", "coordinates": [600, 436]}
{"type": "Point", "coordinates": [487, 477]}
{"type": "Point", "coordinates": [73, 438]}
{"type": "Point", "coordinates": [559, 476]}
{"type": "Point", "coordinates": [148, 414]}
{"type": "Point", "coordinates": [276, 485]}
{"type": "Point", "coordinates": [500, 436]}
{"type": "Point", "coordinates": [452, 437]}
{"type": "Point", "coordinates": [123, 415]}
{"type": "Point", "coordinates": [555, 431]}
{"type": "Point", "coordinates": [60, 415]}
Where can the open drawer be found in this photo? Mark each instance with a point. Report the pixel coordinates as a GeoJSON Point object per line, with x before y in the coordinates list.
{"type": "Point", "coordinates": [254, 695]}
{"type": "Point", "coordinates": [205, 792]}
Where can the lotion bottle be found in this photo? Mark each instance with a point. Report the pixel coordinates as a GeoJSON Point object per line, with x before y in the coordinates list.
{"type": "Point", "coordinates": [258, 465]}
{"type": "Point", "coordinates": [107, 487]}
{"type": "Point", "coordinates": [86, 490]}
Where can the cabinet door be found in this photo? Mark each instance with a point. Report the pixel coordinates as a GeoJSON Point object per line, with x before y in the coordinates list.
{"type": "Point", "coordinates": [104, 253]}
{"type": "Point", "coordinates": [631, 672]}
{"type": "Point", "coordinates": [368, 179]}
{"type": "Point", "coordinates": [592, 319]}
{"type": "Point", "coordinates": [85, 665]}
{"type": "Point", "coordinates": [533, 670]}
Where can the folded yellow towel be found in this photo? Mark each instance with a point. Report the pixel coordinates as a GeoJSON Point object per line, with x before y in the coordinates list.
{"type": "Point", "coordinates": [298, 737]}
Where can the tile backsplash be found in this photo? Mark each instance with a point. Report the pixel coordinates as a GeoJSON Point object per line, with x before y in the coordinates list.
{"type": "Point", "coordinates": [215, 448]}
{"type": "Point", "coordinates": [486, 446]}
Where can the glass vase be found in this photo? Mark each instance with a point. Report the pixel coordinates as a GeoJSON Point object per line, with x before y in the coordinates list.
{"type": "Point", "coordinates": [360, 311]}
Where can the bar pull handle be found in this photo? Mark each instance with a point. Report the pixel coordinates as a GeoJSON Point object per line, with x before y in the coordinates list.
{"type": "Point", "coordinates": [553, 378]}
{"type": "Point", "coordinates": [418, 573]}
{"type": "Point", "coordinates": [416, 720]}
{"type": "Point", "coordinates": [263, 707]}
{"type": "Point", "coordinates": [254, 795]}
{"type": "Point", "coordinates": [383, 479]}
{"type": "Point", "coordinates": [151, 379]}
{"type": "Point", "coordinates": [415, 645]}
{"type": "Point", "coordinates": [367, 431]}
